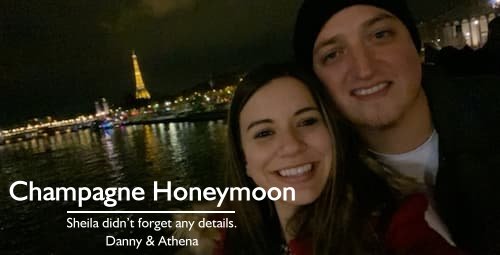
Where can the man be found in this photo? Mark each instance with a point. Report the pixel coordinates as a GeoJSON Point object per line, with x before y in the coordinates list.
{"type": "Point", "coordinates": [443, 132]}
{"type": "Point", "coordinates": [488, 57]}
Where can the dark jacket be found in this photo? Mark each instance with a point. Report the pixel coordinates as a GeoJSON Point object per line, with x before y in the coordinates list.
{"type": "Point", "coordinates": [466, 115]}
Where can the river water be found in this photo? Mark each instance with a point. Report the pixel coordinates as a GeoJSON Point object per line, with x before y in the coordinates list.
{"type": "Point", "coordinates": [187, 154]}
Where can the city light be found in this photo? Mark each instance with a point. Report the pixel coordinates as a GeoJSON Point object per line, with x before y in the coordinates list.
{"type": "Point", "coordinates": [213, 99]}
{"type": "Point", "coordinates": [495, 3]}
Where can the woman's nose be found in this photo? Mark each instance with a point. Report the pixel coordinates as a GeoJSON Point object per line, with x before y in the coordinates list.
{"type": "Point", "coordinates": [291, 143]}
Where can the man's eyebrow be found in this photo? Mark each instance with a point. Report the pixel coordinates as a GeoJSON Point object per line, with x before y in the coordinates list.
{"type": "Point", "coordinates": [329, 41]}
{"type": "Point", "coordinates": [378, 18]}
{"type": "Point", "coordinates": [255, 123]}
{"type": "Point", "coordinates": [370, 22]}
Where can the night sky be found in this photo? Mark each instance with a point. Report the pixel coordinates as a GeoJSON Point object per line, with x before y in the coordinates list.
{"type": "Point", "coordinates": [59, 56]}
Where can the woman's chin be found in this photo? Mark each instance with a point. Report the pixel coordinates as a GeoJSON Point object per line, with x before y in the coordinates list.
{"type": "Point", "coordinates": [302, 199]}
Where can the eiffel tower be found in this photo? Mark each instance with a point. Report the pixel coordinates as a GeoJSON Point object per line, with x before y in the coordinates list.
{"type": "Point", "coordinates": [141, 93]}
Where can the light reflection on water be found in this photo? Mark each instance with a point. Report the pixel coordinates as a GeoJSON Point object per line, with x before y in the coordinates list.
{"type": "Point", "coordinates": [188, 154]}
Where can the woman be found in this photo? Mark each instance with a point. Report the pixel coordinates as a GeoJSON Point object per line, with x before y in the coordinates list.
{"type": "Point", "coordinates": [283, 133]}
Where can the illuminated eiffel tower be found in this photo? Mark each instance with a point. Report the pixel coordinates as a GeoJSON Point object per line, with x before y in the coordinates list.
{"type": "Point", "coordinates": [141, 93]}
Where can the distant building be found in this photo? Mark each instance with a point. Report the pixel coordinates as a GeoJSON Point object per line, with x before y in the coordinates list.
{"type": "Point", "coordinates": [98, 109]}
{"type": "Point", "coordinates": [105, 106]}
{"type": "Point", "coordinates": [102, 107]}
{"type": "Point", "coordinates": [463, 24]}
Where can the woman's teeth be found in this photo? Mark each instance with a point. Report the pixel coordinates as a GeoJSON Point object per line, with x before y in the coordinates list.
{"type": "Point", "coordinates": [371, 90]}
{"type": "Point", "coordinates": [296, 171]}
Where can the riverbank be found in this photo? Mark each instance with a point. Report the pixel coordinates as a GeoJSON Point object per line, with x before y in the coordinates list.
{"type": "Point", "coordinates": [191, 117]}
{"type": "Point", "coordinates": [175, 118]}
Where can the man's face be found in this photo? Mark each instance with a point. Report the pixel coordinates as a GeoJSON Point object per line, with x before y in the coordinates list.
{"type": "Point", "coordinates": [367, 59]}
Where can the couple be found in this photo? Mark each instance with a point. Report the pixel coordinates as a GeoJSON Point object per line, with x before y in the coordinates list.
{"type": "Point", "coordinates": [403, 162]}
{"type": "Point", "coordinates": [284, 132]}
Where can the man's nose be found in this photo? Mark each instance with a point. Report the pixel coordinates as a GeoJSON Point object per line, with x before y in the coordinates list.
{"type": "Point", "coordinates": [363, 62]}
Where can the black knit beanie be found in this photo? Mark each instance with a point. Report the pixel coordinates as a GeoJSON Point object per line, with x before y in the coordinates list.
{"type": "Point", "coordinates": [315, 13]}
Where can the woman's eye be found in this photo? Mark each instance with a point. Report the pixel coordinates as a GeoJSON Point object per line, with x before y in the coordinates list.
{"type": "Point", "coordinates": [308, 122]}
{"type": "Point", "coordinates": [263, 133]}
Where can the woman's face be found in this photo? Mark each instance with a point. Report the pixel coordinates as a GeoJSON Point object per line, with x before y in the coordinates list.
{"type": "Point", "coordinates": [285, 140]}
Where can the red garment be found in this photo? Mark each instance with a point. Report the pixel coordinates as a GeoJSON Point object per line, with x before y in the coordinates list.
{"type": "Point", "coordinates": [219, 244]}
{"type": "Point", "coordinates": [300, 247]}
{"type": "Point", "coordinates": [297, 247]}
{"type": "Point", "coordinates": [409, 234]}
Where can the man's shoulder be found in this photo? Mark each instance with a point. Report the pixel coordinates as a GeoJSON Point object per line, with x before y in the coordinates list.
{"type": "Point", "coordinates": [437, 83]}
{"type": "Point", "coordinates": [465, 108]}
{"type": "Point", "coordinates": [466, 113]}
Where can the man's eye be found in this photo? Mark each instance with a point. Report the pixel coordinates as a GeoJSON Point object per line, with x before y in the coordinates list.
{"type": "Point", "coordinates": [383, 34]}
{"type": "Point", "coordinates": [308, 122]}
{"type": "Point", "coordinates": [263, 133]}
{"type": "Point", "coordinates": [332, 55]}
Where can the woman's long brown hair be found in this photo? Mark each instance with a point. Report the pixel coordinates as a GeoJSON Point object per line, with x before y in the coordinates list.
{"type": "Point", "coordinates": [339, 221]}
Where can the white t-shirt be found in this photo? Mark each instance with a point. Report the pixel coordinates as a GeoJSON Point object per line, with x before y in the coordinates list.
{"type": "Point", "coordinates": [422, 164]}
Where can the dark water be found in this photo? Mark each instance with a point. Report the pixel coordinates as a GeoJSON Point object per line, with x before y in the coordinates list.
{"type": "Point", "coordinates": [188, 154]}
